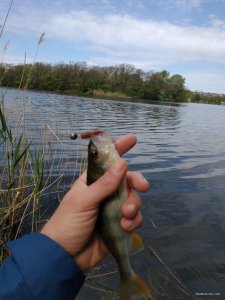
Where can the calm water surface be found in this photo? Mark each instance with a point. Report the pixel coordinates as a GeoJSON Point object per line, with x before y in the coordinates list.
{"type": "Point", "coordinates": [181, 151]}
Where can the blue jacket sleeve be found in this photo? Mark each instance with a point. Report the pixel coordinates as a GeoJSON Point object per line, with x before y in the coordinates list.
{"type": "Point", "coordinates": [39, 269]}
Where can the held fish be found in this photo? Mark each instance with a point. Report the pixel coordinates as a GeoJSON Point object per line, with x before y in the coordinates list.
{"type": "Point", "coordinates": [101, 155]}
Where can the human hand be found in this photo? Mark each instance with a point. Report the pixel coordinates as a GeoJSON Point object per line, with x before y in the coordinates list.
{"type": "Point", "coordinates": [72, 225]}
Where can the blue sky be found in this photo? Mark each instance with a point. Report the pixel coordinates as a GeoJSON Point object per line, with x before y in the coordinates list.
{"type": "Point", "coordinates": [182, 36]}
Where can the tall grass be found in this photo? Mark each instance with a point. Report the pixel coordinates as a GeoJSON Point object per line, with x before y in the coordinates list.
{"type": "Point", "coordinates": [21, 170]}
{"type": "Point", "coordinates": [32, 168]}
{"type": "Point", "coordinates": [26, 166]}
{"type": "Point", "coordinates": [17, 187]}
{"type": "Point", "coordinates": [114, 95]}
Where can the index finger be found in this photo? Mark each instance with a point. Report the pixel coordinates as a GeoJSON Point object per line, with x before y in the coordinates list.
{"type": "Point", "coordinates": [125, 143]}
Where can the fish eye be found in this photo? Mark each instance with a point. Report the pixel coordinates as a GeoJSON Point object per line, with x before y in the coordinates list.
{"type": "Point", "coordinates": [94, 152]}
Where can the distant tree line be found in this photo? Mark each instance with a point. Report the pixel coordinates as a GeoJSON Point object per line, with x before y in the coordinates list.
{"type": "Point", "coordinates": [204, 97]}
{"type": "Point", "coordinates": [78, 78]}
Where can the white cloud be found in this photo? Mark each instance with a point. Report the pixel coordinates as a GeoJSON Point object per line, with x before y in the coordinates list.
{"type": "Point", "coordinates": [125, 38]}
{"type": "Point", "coordinates": [16, 59]}
{"type": "Point", "coordinates": [216, 22]}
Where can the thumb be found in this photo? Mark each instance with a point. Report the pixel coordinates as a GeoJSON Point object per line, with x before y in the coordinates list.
{"type": "Point", "coordinates": [106, 184]}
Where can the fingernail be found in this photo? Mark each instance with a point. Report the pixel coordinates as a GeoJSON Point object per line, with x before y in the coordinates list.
{"type": "Point", "coordinates": [145, 182]}
{"type": "Point", "coordinates": [131, 207]}
{"type": "Point", "coordinates": [143, 179]}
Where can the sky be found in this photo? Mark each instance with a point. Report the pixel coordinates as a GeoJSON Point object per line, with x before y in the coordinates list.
{"type": "Point", "coordinates": [185, 37]}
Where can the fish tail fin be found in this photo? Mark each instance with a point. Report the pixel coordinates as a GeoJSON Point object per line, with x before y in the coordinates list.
{"type": "Point", "coordinates": [133, 288]}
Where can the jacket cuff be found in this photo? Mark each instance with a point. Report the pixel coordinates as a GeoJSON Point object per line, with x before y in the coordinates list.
{"type": "Point", "coordinates": [47, 268]}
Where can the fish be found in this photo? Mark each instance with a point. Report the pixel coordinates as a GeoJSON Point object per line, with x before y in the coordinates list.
{"type": "Point", "coordinates": [101, 155]}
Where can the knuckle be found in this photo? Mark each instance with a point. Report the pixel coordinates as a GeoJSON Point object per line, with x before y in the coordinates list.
{"type": "Point", "coordinates": [110, 178]}
{"type": "Point", "coordinates": [107, 179]}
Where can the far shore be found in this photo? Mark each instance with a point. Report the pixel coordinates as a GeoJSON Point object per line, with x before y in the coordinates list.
{"type": "Point", "coordinates": [122, 97]}
{"type": "Point", "coordinates": [99, 94]}
{"type": "Point", "coordinates": [119, 82]}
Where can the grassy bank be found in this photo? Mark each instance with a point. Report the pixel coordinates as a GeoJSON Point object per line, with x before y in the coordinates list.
{"type": "Point", "coordinates": [110, 95]}
{"type": "Point", "coordinates": [21, 182]}
{"type": "Point", "coordinates": [33, 171]}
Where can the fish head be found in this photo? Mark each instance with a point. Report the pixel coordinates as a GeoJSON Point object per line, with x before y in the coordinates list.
{"type": "Point", "coordinates": [102, 151]}
{"type": "Point", "coordinates": [101, 155]}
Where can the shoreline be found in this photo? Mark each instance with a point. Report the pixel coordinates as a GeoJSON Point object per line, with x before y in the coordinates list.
{"type": "Point", "coordinates": [116, 97]}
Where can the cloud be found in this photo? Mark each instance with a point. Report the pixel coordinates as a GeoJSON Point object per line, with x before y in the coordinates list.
{"type": "Point", "coordinates": [216, 22]}
{"type": "Point", "coordinates": [16, 59]}
{"type": "Point", "coordinates": [124, 38]}
{"type": "Point", "coordinates": [123, 33]}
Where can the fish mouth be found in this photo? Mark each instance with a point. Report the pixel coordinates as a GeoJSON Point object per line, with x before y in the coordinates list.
{"type": "Point", "coordinates": [97, 138]}
{"type": "Point", "coordinates": [101, 146]}
{"type": "Point", "coordinates": [101, 138]}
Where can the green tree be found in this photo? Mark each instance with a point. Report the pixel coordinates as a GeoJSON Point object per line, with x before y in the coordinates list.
{"type": "Point", "coordinates": [78, 77]}
{"type": "Point", "coordinates": [177, 87]}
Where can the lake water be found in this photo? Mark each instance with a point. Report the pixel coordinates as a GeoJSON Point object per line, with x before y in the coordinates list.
{"type": "Point", "coordinates": [181, 151]}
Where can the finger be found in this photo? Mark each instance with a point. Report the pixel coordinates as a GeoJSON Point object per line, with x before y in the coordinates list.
{"type": "Point", "coordinates": [106, 184]}
{"type": "Point", "coordinates": [129, 225]}
{"type": "Point", "coordinates": [80, 183]}
{"type": "Point", "coordinates": [125, 143]}
{"type": "Point", "coordinates": [83, 177]}
{"type": "Point", "coordinates": [131, 206]}
{"type": "Point", "coordinates": [137, 181]}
